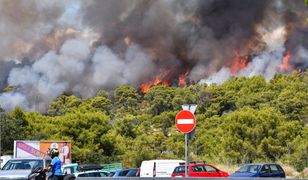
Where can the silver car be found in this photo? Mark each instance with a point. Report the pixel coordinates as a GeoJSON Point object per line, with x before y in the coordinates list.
{"type": "Point", "coordinates": [20, 168]}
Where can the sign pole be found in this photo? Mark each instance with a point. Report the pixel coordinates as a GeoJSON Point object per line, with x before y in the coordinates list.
{"type": "Point", "coordinates": [186, 155]}
{"type": "Point", "coordinates": [185, 121]}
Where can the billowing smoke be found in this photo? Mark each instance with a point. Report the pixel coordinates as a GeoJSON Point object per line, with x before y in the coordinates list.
{"type": "Point", "coordinates": [80, 47]}
{"type": "Point", "coordinates": [74, 69]}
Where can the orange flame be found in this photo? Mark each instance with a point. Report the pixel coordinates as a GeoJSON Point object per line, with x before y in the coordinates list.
{"type": "Point", "coordinates": [285, 62]}
{"type": "Point", "coordinates": [164, 77]}
{"type": "Point", "coordinates": [159, 79]}
{"type": "Point", "coordinates": [182, 78]}
{"type": "Point", "coordinates": [238, 63]}
{"type": "Point", "coordinates": [146, 86]}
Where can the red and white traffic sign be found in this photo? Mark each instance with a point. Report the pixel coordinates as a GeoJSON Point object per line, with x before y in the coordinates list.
{"type": "Point", "coordinates": [185, 121]}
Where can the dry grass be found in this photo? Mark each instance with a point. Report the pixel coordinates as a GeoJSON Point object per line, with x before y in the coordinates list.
{"type": "Point", "coordinates": [290, 171]}
{"type": "Point", "coordinates": [305, 172]}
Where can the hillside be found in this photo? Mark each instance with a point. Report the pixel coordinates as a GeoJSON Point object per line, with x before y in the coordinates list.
{"type": "Point", "coordinates": [240, 121]}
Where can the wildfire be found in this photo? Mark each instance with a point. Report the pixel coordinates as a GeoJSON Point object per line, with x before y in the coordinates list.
{"type": "Point", "coordinates": [182, 78]}
{"type": "Point", "coordinates": [165, 77]}
{"type": "Point", "coordinates": [238, 63]}
{"type": "Point", "coordinates": [161, 78]}
{"type": "Point", "coordinates": [146, 86]}
{"type": "Point", "coordinates": [285, 62]}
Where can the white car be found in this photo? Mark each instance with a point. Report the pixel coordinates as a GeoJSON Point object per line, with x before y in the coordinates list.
{"type": "Point", "coordinates": [93, 173]}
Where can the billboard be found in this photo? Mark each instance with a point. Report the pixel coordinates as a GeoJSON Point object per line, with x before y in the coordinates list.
{"type": "Point", "coordinates": [41, 149]}
{"type": "Point", "coordinates": [63, 146]}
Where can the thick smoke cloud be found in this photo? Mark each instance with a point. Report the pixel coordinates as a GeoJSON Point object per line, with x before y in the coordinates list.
{"type": "Point", "coordinates": [74, 70]}
{"type": "Point", "coordinates": [80, 47]}
{"type": "Point", "coordinates": [22, 23]}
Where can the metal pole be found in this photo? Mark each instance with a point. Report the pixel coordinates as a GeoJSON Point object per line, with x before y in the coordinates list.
{"type": "Point", "coordinates": [1, 115]}
{"type": "Point", "coordinates": [191, 108]}
{"type": "Point", "coordinates": [186, 157]}
{"type": "Point", "coordinates": [188, 154]}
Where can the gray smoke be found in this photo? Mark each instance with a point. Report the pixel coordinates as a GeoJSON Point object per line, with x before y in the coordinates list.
{"type": "Point", "coordinates": [80, 47]}
{"type": "Point", "coordinates": [74, 70]}
{"type": "Point", "coordinates": [24, 23]}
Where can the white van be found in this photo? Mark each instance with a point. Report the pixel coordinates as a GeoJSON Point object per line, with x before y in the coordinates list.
{"type": "Point", "coordinates": [159, 168]}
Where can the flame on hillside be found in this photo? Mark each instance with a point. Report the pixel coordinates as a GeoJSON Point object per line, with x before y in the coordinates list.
{"type": "Point", "coordinates": [238, 63]}
{"type": "Point", "coordinates": [146, 86]}
{"type": "Point", "coordinates": [161, 78]}
{"type": "Point", "coordinates": [182, 78]}
{"type": "Point", "coordinates": [285, 66]}
{"type": "Point", "coordinates": [166, 77]}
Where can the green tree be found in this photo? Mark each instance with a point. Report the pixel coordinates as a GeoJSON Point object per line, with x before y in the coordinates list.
{"type": "Point", "coordinates": [102, 104]}
{"type": "Point", "coordinates": [159, 99]}
{"type": "Point", "coordinates": [248, 130]}
{"type": "Point", "coordinates": [126, 99]}
{"type": "Point", "coordinates": [13, 127]}
{"type": "Point", "coordinates": [298, 155]}
{"type": "Point", "coordinates": [63, 104]}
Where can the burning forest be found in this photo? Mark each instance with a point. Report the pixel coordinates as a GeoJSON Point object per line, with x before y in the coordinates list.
{"type": "Point", "coordinates": [80, 47]}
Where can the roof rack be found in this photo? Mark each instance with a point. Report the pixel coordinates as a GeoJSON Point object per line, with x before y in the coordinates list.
{"type": "Point", "coordinates": [194, 162]}
{"type": "Point", "coordinates": [88, 167]}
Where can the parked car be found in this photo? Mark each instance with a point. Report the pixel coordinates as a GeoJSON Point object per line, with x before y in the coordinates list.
{"type": "Point", "coordinates": [93, 173]}
{"type": "Point", "coordinates": [75, 168]}
{"type": "Point", "coordinates": [260, 170]}
{"type": "Point", "coordinates": [133, 172]}
{"type": "Point", "coordinates": [86, 170]}
{"type": "Point", "coordinates": [199, 170]}
{"type": "Point", "coordinates": [119, 173]}
{"type": "Point", "coordinates": [158, 168]}
{"type": "Point", "coordinates": [21, 168]}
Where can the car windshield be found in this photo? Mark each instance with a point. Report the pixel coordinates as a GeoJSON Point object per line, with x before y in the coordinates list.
{"type": "Point", "coordinates": [249, 169]}
{"type": "Point", "coordinates": [132, 173]}
{"type": "Point", "coordinates": [23, 164]}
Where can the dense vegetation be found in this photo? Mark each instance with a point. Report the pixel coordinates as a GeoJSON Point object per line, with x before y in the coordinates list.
{"type": "Point", "coordinates": [242, 120]}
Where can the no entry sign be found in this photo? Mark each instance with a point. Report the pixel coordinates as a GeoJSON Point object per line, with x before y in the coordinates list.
{"type": "Point", "coordinates": [185, 121]}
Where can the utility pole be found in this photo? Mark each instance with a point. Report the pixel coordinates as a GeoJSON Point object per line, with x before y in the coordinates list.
{"type": "Point", "coordinates": [1, 119]}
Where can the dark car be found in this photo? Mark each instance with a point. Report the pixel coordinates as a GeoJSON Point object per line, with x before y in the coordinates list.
{"type": "Point", "coordinates": [119, 173]}
{"type": "Point", "coordinates": [134, 172]}
{"type": "Point", "coordinates": [199, 170]}
{"type": "Point", "coordinates": [260, 170]}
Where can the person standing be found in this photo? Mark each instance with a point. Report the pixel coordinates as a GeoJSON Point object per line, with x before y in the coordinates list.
{"type": "Point", "coordinates": [65, 153]}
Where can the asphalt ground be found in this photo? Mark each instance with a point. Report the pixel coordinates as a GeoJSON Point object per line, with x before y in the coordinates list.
{"type": "Point", "coordinates": [192, 178]}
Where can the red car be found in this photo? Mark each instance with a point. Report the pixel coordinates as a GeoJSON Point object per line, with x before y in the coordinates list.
{"type": "Point", "coordinates": [199, 170]}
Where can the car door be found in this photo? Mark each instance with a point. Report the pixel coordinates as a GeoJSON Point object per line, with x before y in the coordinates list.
{"type": "Point", "coordinates": [197, 171]}
{"type": "Point", "coordinates": [211, 171]}
{"type": "Point", "coordinates": [265, 171]}
{"type": "Point", "coordinates": [275, 171]}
